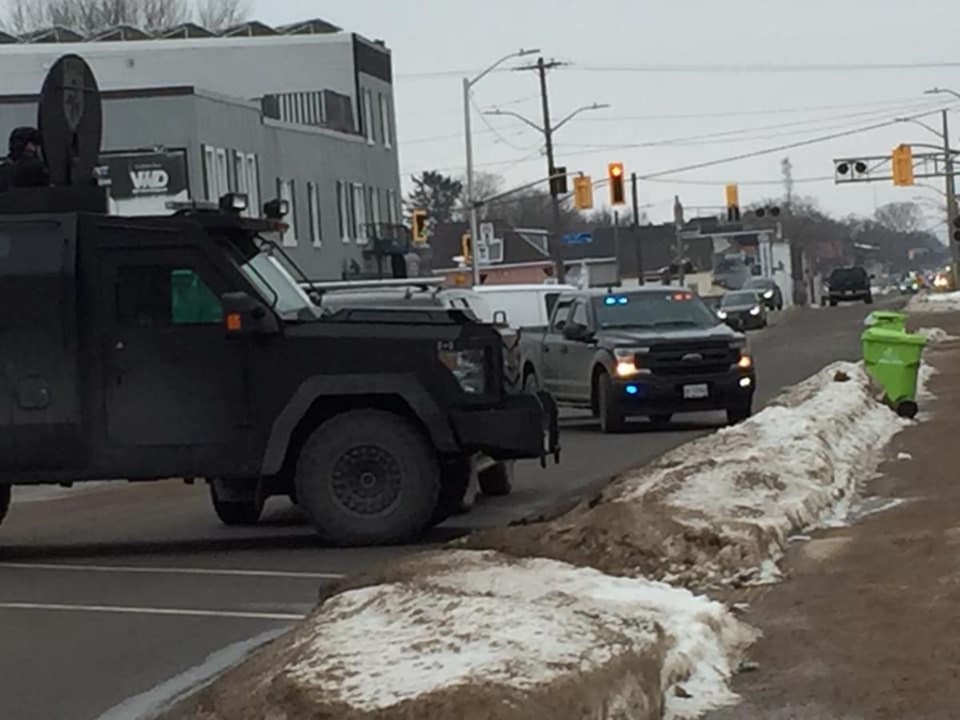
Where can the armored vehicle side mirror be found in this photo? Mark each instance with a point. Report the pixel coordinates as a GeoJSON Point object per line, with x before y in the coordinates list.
{"type": "Point", "coordinates": [500, 319]}
{"type": "Point", "coordinates": [245, 315]}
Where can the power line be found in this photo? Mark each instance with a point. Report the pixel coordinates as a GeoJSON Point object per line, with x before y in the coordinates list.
{"type": "Point", "coordinates": [765, 68]}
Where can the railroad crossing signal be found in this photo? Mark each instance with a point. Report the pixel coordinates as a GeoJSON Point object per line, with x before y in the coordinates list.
{"type": "Point", "coordinates": [733, 202]}
{"type": "Point", "coordinates": [902, 164]}
{"type": "Point", "coordinates": [583, 192]}
{"type": "Point", "coordinates": [419, 222]}
{"type": "Point", "coordinates": [615, 176]}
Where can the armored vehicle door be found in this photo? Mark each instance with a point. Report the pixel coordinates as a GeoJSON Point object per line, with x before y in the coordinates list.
{"type": "Point", "coordinates": [171, 377]}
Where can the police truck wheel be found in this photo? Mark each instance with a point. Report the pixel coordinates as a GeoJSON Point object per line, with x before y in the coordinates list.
{"type": "Point", "coordinates": [739, 412]}
{"type": "Point", "coordinates": [233, 510]}
{"type": "Point", "coordinates": [497, 480]}
{"type": "Point", "coordinates": [4, 501]}
{"type": "Point", "coordinates": [368, 477]}
{"type": "Point", "coordinates": [611, 418]}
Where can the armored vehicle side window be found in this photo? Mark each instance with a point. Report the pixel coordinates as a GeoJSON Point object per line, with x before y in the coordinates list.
{"type": "Point", "coordinates": [164, 296]}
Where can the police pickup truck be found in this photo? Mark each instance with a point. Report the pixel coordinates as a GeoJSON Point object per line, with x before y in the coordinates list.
{"type": "Point", "coordinates": [648, 352]}
{"type": "Point", "coordinates": [180, 346]}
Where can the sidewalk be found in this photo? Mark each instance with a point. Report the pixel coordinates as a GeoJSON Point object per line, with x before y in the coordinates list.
{"type": "Point", "coordinates": [866, 625]}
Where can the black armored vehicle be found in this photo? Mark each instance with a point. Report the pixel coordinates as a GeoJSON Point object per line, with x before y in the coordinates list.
{"type": "Point", "coordinates": [181, 346]}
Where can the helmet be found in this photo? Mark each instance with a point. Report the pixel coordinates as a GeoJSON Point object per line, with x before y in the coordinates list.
{"type": "Point", "coordinates": [19, 139]}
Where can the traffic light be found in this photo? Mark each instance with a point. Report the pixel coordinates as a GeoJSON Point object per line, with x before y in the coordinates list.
{"type": "Point", "coordinates": [419, 220]}
{"type": "Point", "coordinates": [466, 246]}
{"type": "Point", "coordinates": [902, 164]}
{"type": "Point", "coordinates": [615, 176]}
{"type": "Point", "coordinates": [733, 203]}
{"type": "Point", "coordinates": [956, 228]}
{"type": "Point", "coordinates": [773, 210]}
{"type": "Point", "coordinates": [558, 181]}
{"type": "Point", "coordinates": [583, 192]}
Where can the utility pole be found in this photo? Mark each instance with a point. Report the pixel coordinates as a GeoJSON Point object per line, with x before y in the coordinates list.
{"type": "Point", "coordinates": [636, 227]}
{"type": "Point", "coordinates": [951, 201]}
{"type": "Point", "coordinates": [547, 129]}
{"type": "Point", "coordinates": [557, 250]}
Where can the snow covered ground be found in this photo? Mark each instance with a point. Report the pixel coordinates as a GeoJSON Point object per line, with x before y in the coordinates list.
{"type": "Point", "coordinates": [934, 302]}
{"type": "Point", "coordinates": [478, 631]}
{"type": "Point", "coordinates": [720, 509]}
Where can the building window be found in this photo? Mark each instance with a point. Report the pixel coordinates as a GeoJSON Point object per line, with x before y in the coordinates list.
{"type": "Point", "coordinates": [313, 200]}
{"type": "Point", "coordinates": [286, 191]}
{"type": "Point", "coordinates": [253, 184]}
{"type": "Point", "coordinates": [223, 174]}
{"type": "Point", "coordinates": [385, 122]}
{"type": "Point", "coordinates": [392, 213]}
{"type": "Point", "coordinates": [240, 172]}
{"type": "Point", "coordinates": [343, 211]}
{"type": "Point", "coordinates": [368, 116]}
{"type": "Point", "coordinates": [360, 214]}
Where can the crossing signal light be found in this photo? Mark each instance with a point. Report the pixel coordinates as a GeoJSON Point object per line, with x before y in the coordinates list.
{"type": "Point", "coordinates": [773, 210]}
{"type": "Point", "coordinates": [733, 202]}
{"type": "Point", "coordinates": [615, 176]}
{"type": "Point", "coordinates": [583, 192]}
{"type": "Point", "coordinates": [902, 163]}
{"type": "Point", "coordinates": [420, 218]}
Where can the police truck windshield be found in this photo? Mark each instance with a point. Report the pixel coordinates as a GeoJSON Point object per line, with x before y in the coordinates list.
{"type": "Point", "coordinates": [279, 288]}
{"type": "Point", "coordinates": [652, 309]}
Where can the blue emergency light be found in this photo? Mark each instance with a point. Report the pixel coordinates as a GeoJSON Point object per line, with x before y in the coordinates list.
{"type": "Point", "coordinates": [619, 300]}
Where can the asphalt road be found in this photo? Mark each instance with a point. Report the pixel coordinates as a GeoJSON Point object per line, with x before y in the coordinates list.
{"type": "Point", "coordinates": [124, 594]}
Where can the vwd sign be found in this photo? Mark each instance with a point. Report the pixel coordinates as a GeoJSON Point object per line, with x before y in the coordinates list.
{"type": "Point", "coordinates": [149, 181]}
{"type": "Point", "coordinates": [146, 173]}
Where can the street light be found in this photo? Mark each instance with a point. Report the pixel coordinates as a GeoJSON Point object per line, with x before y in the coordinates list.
{"type": "Point", "coordinates": [538, 128]}
{"type": "Point", "coordinates": [468, 84]}
{"type": "Point", "coordinates": [951, 184]}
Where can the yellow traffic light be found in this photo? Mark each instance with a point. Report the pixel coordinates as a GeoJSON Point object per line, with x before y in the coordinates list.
{"type": "Point", "coordinates": [465, 247]}
{"type": "Point", "coordinates": [615, 176]}
{"type": "Point", "coordinates": [902, 164]}
{"type": "Point", "coordinates": [419, 220]}
{"type": "Point", "coordinates": [733, 202]}
{"type": "Point", "coordinates": [583, 192]}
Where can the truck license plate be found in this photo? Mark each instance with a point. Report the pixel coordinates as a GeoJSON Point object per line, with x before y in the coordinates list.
{"type": "Point", "coordinates": [695, 392]}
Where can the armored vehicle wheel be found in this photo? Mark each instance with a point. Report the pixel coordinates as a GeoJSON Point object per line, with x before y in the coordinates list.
{"type": "Point", "coordinates": [455, 481]}
{"type": "Point", "coordinates": [4, 501]}
{"type": "Point", "coordinates": [611, 419]}
{"type": "Point", "coordinates": [497, 480]}
{"type": "Point", "coordinates": [234, 503]}
{"type": "Point", "coordinates": [368, 477]}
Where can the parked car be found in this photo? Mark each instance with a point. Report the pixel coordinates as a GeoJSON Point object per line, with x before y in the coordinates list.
{"type": "Point", "coordinates": [849, 284]}
{"type": "Point", "coordinates": [743, 310]}
{"type": "Point", "coordinates": [769, 291]}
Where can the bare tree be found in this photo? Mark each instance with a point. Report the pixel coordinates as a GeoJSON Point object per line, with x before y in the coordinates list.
{"type": "Point", "coordinates": [222, 14]}
{"type": "Point", "coordinates": [89, 17]}
{"type": "Point", "coordinates": [901, 217]}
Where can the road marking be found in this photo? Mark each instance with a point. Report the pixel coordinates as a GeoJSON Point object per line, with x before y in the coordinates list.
{"type": "Point", "coordinates": [178, 612]}
{"type": "Point", "coordinates": [173, 571]}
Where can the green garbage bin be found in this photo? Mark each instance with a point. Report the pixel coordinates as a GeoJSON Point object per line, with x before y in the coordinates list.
{"type": "Point", "coordinates": [887, 319]}
{"type": "Point", "coordinates": [892, 357]}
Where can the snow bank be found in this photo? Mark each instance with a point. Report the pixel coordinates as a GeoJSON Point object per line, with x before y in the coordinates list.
{"type": "Point", "coordinates": [719, 509]}
{"type": "Point", "coordinates": [935, 335]}
{"type": "Point", "coordinates": [934, 302]}
{"type": "Point", "coordinates": [479, 635]}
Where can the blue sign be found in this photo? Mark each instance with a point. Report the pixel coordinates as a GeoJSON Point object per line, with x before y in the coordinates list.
{"type": "Point", "coordinates": [583, 238]}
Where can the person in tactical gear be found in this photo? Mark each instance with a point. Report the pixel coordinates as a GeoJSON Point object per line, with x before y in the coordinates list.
{"type": "Point", "coordinates": [24, 166]}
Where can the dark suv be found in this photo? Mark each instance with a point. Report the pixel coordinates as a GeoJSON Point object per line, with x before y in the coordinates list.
{"type": "Point", "coordinates": [849, 284]}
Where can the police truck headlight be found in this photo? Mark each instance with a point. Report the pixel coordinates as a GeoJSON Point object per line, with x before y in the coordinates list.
{"type": "Point", "coordinates": [755, 310]}
{"type": "Point", "coordinates": [768, 294]}
{"type": "Point", "coordinates": [468, 367]}
{"type": "Point", "coordinates": [626, 362]}
{"type": "Point", "coordinates": [722, 314]}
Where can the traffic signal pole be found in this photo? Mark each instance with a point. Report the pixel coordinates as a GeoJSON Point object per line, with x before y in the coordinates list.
{"type": "Point", "coordinates": [471, 205]}
{"type": "Point", "coordinates": [636, 228]}
{"type": "Point", "coordinates": [951, 203]}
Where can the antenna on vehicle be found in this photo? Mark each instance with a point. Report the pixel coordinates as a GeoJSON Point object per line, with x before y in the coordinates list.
{"type": "Point", "coordinates": [70, 121]}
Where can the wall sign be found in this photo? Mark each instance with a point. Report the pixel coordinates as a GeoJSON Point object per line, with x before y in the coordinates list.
{"type": "Point", "coordinates": [139, 174]}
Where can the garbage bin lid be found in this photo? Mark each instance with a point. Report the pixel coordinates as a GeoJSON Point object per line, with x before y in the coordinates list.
{"type": "Point", "coordinates": [892, 336]}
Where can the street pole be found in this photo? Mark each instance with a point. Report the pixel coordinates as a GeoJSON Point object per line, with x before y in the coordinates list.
{"type": "Point", "coordinates": [471, 205]}
{"type": "Point", "coordinates": [636, 228]}
{"type": "Point", "coordinates": [616, 242]}
{"type": "Point", "coordinates": [951, 202]}
{"type": "Point", "coordinates": [557, 249]}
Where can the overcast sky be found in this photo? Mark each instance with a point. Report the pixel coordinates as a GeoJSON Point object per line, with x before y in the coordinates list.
{"type": "Point", "coordinates": [626, 54]}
